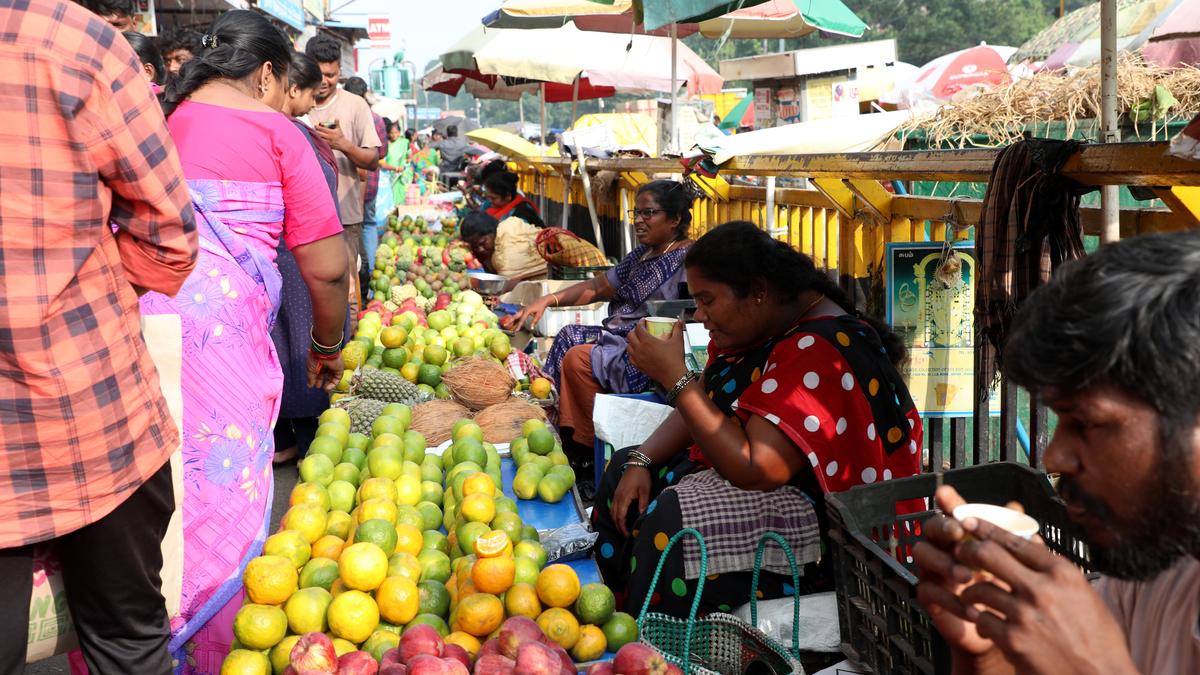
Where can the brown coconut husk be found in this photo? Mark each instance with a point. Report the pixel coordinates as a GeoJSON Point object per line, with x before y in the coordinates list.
{"type": "Point", "coordinates": [502, 422]}
{"type": "Point", "coordinates": [1001, 115]}
{"type": "Point", "coordinates": [478, 383]}
{"type": "Point", "coordinates": [435, 419]}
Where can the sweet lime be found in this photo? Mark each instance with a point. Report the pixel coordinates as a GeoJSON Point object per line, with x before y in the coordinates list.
{"type": "Point", "coordinates": [541, 441]}
{"type": "Point", "coordinates": [596, 604]}
{"type": "Point", "coordinates": [620, 630]}
{"type": "Point", "coordinates": [377, 531]}
{"type": "Point", "coordinates": [319, 573]}
{"type": "Point", "coordinates": [306, 610]}
{"type": "Point", "coordinates": [434, 598]}
{"type": "Point", "coordinates": [259, 626]}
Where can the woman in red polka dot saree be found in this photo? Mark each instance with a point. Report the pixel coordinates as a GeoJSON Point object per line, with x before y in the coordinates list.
{"type": "Point", "coordinates": [800, 397]}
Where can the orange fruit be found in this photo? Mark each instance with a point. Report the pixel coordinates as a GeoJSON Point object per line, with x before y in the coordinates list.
{"type": "Point", "coordinates": [492, 544]}
{"type": "Point", "coordinates": [260, 627]}
{"type": "Point", "coordinates": [522, 600]}
{"type": "Point", "coordinates": [289, 544]}
{"type": "Point", "coordinates": [397, 598]}
{"type": "Point", "coordinates": [409, 539]}
{"type": "Point", "coordinates": [328, 546]}
{"type": "Point", "coordinates": [307, 519]}
{"type": "Point", "coordinates": [559, 625]}
{"type": "Point", "coordinates": [363, 566]}
{"type": "Point", "coordinates": [353, 616]}
{"type": "Point", "coordinates": [480, 614]}
{"type": "Point", "coordinates": [245, 662]}
{"type": "Point", "coordinates": [590, 645]}
{"type": "Point", "coordinates": [477, 508]}
{"type": "Point", "coordinates": [558, 586]}
{"type": "Point", "coordinates": [479, 483]}
{"type": "Point", "coordinates": [494, 575]}
{"type": "Point", "coordinates": [377, 507]}
{"type": "Point", "coordinates": [464, 640]}
{"type": "Point", "coordinates": [270, 580]}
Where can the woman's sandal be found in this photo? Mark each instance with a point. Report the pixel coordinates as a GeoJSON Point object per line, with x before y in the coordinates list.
{"type": "Point", "coordinates": [285, 456]}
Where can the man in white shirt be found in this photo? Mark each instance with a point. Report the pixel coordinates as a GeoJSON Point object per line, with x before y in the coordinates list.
{"type": "Point", "coordinates": [344, 121]}
{"type": "Point", "coordinates": [1112, 346]}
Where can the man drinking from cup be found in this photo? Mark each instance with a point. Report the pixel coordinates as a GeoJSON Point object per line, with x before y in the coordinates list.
{"type": "Point", "coordinates": [1112, 346]}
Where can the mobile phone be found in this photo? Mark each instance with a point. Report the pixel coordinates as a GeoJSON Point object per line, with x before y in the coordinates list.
{"type": "Point", "coordinates": [332, 124]}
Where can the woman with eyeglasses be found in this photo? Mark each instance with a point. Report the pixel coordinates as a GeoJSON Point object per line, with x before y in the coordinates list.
{"type": "Point", "coordinates": [589, 360]}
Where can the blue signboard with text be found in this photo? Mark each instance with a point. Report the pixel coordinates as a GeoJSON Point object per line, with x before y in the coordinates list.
{"type": "Point", "coordinates": [290, 12]}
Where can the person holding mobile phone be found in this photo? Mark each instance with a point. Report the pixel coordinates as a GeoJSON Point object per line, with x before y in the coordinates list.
{"type": "Point", "coordinates": [344, 121]}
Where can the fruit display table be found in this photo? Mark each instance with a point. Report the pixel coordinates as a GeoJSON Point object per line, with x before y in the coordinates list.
{"type": "Point", "coordinates": [544, 516]}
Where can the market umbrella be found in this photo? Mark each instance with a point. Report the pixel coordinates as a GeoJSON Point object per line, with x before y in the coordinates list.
{"type": "Point", "coordinates": [749, 19]}
{"type": "Point", "coordinates": [947, 76]}
{"type": "Point", "coordinates": [627, 63]}
{"type": "Point", "coordinates": [1074, 40]}
{"type": "Point", "coordinates": [491, 87]}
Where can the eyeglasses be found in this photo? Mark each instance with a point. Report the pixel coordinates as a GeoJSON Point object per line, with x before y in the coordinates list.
{"type": "Point", "coordinates": [646, 214]}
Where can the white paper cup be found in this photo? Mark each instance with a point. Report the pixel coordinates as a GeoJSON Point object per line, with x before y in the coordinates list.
{"type": "Point", "coordinates": [1005, 518]}
{"type": "Point", "coordinates": [660, 326]}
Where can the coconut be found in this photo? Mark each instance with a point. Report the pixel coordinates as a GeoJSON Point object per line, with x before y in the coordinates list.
{"type": "Point", "coordinates": [435, 420]}
{"type": "Point", "coordinates": [502, 422]}
{"type": "Point", "coordinates": [479, 383]}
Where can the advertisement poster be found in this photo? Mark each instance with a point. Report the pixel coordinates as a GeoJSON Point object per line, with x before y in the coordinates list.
{"type": "Point", "coordinates": [818, 95]}
{"type": "Point", "coordinates": [930, 298]}
{"type": "Point", "coordinates": [764, 117]}
{"type": "Point", "coordinates": [144, 21]}
{"type": "Point", "coordinates": [787, 105]}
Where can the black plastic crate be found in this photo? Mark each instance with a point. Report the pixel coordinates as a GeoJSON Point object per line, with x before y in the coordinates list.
{"type": "Point", "coordinates": [883, 627]}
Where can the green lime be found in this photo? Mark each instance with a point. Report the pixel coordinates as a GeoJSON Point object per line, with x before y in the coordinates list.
{"type": "Point", "coordinates": [379, 532]}
{"type": "Point", "coordinates": [434, 598]}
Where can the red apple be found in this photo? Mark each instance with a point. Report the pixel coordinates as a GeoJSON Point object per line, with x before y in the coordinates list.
{"type": "Point", "coordinates": [490, 647]}
{"type": "Point", "coordinates": [495, 664]}
{"type": "Point", "coordinates": [419, 640]}
{"type": "Point", "coordinates": [535, 658]}
{"type": "Point", "coordinates": [638, 659]}
{"type": "Point", "coordinates": [357, 663]}
{"type": "Point", "coordinates": [424, 664]}
{"type": "Point", "coordinates": [600, 669]}
{"type": "Point", "coordinates": [314, 651]}
{"type": "Point", "coordinates": [393, 669]}
{"type": "Point", "coordinates": [452, 651]}
{"type": "Point", "coordinates": [516, 631]}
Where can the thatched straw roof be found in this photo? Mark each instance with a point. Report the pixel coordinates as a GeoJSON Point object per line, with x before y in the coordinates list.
{"type": "Point", "coordinates": [1003, 114]}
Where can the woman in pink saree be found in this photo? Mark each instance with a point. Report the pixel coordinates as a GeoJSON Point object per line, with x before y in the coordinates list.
{"type": "Point", "coordinates": [254, 179]}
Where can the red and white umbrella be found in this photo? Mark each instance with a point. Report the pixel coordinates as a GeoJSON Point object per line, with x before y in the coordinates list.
{"type": "Point", "coordinates": [946, 77]}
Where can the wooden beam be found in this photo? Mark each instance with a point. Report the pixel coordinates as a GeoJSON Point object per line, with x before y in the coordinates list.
{"type": "Point", "coordinates": [1184, 201]}
{"type": "Point", "coordinates": [838, 195]}
{"type": "Point", "coordinates": [1145, 164]}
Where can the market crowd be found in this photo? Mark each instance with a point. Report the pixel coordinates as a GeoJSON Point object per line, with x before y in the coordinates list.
{"type": "Point", "coordinates": [226, 184]}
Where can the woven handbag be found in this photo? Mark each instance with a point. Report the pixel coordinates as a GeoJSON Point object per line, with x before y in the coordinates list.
{"type": "Point", "coordinates": [566, 249]}
{"type": "Point", "coordinates": [719, 643]}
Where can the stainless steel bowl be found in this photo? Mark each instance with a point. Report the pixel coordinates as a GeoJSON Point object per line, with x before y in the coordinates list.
{"type": "Point", "coordinates": [488, 284]}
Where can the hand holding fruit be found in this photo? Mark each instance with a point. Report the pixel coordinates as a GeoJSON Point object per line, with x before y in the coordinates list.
{"type": "Point", "coordinates": [661, 359]}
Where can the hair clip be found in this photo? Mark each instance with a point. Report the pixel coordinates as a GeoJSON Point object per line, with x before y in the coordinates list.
{"type": "Point", "coordinates": [209, 41]}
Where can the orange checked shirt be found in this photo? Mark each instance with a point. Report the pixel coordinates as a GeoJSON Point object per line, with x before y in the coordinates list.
{"type": "Point", "coordinates": [83, 144]}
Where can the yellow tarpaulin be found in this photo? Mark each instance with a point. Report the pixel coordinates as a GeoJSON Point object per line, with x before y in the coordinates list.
{"type": "Point", "coordinates": [504, 142]}
{"type": "Point", "coordinates": [632, 131]}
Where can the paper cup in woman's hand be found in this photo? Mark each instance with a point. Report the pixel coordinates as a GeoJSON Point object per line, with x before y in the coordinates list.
{"type": "Point", "coordinates": [660, 326]}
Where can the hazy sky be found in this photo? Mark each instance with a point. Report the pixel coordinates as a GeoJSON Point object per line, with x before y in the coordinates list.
{"type": "Point", "coordinates": [427, 27]}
